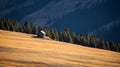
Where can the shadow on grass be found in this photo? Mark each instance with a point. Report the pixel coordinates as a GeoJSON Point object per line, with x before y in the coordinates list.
{"type": "Point", "coordinates": [19, 62]}
{"type": "Point", "coordinates": [35, 37]}
{"type": "Point", "coordinates": [6, 49]}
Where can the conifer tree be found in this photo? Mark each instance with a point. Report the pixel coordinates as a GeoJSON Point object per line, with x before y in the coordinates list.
{"type": "Point", "coordinates": [20, 29]}
{"type": "Point", "coordinates": [39, 28]}
{"type": "Point", "coordinates": [12, 27]}
{"type": "Point", "coordinates": [73, 37]}
{"type": "Point", "coordinates": [33, 29]}
{"type": "Point", "coordinates": [2, 25]}
{"type": "Point", "coordinates": [67, 36]}
{"type": "Point", "coordinates": [26, 27]}
{"type": "Point", "coordinates": [53, 34]}
{"type": "Point", "coordinates": [16, 26]}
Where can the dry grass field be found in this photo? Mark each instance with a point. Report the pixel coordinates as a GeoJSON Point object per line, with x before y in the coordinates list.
{"type": "Point", "coordinates": [23, 50]}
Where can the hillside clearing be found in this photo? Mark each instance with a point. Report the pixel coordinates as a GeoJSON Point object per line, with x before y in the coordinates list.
{"type": "Point", "coordinates": [20, 49]}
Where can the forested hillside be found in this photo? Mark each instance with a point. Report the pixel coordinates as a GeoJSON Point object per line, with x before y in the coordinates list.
{"type": "Point", "coordinates": [65, 36]}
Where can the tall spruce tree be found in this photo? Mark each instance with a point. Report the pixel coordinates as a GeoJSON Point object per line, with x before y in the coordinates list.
{"type": "Point", "coordinates": [33, 29]}
{"type": "Point", "coordinates": [27, 28]}
{"type": "Point", "coordinates": [16, 26]}
{"type": "Point", "coordinates": [40, 28]}
{"type": "Point", "coordinates": [67, 36]}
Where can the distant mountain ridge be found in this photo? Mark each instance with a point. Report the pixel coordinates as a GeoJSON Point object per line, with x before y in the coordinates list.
{"type": "Point", "coordinates": [80, 16]}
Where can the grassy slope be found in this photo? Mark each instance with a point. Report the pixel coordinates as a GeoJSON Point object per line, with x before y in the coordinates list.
{"type": "Point", "coordinates": [19, 49]}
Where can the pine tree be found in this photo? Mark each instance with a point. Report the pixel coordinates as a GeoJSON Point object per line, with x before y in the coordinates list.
{"type": "Point", "coordinates": [5, 23]}
{"type": "Point", "coordinates": [73, 37]}
{"type": "Point", "coordinates": [33, 29]}
{"type": "Point", "coordinates": [60, 36]}
{"type": "Point", "coordinates": [20, 29]}
{"type": "Point", "coordinates": [12, 27]}
{"type": "Point", "coordinates": [67, 36]}
{"type": "Point", "coordinates": [2, 25]}
{"type": "Point", "coordinates": [56, 34]}
{"type": "Point", "coordinates": [53, 34]}
{"type": "Point", "coordinates": [94, 42]}
{"type": "Point", "coordinates": [107, 45]}
{"type": "Point", "coordinates": [47, 32]}
{"type": "Point", "coordinates": [16, 26]}
{"type": "Point", "coordinates": [118, 47]}
{"type": "Point", "coordinates": [40, 28]}
{"type": "Point", "coordinates": [27, 28]}
{"type": "Point", "coordinates": [88, 40]}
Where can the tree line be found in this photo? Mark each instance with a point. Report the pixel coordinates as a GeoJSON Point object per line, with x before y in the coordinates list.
{"type": "Point", "coordinates": [65, 36]}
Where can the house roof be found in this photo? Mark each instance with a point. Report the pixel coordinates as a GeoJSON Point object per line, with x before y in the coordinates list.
{"type": "Point", "coordinates": [42, 32]}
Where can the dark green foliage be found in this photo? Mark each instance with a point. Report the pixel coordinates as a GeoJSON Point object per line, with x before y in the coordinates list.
{"type": "Point", "coordinates": [65, 36]}
{"type": "Point", "coordinates": [47, 31]}
{"type": "Point", "coordinates": [20, 29]}
{"type": "Point", "coordinates": [26, 28]}
{"type": "Point", "coordinates": [53, 33]}
{"type": "Point", "coordinates": [2, 25]}
{"type": "Point", "coordinates": [16, 26]}
{"type": "Point", "coordinates": [33, 29]}
{"type": "Point", "coordinates": [39, 28]}
{"type": "Point", "coordinates": [60, 36]}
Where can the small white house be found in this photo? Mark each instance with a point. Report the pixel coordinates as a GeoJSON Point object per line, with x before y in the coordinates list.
{"type": "Point", "coordinates": [41, 34]}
